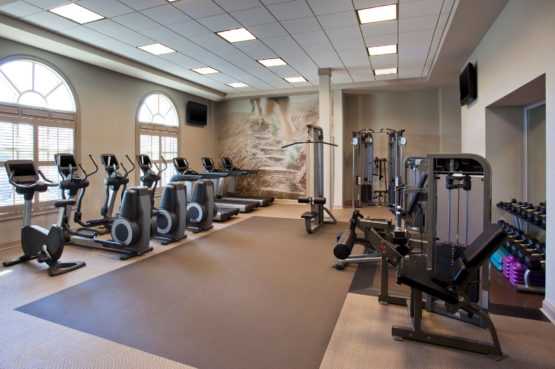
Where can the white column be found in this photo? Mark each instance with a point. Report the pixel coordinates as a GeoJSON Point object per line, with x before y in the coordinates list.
{"type": "Point", "coordinates": [325, 104]}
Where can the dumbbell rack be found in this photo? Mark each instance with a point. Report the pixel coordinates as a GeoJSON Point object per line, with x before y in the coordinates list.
{"type": "Point", "coordinates": [527, 212]}
{"type": "Point", "coordinates": [521, 259]}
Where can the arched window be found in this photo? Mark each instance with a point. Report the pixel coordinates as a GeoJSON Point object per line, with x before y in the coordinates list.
{"type": "Point", "coordinates": [37, 120]}
{"type": "Point", "coordinates": [159, 131]}
{"type": "Point", "coordinates": [27, 82]}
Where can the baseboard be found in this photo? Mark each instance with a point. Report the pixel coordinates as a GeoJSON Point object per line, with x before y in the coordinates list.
{"type": "Point", "coordinates": [549, 310]}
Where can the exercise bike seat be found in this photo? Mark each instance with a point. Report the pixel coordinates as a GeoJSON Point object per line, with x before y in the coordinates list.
{"type": "Point", "coordinates": [63, 203]}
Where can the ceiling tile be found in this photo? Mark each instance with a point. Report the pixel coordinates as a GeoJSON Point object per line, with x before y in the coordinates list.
{"type": "Point", "coordinates": [384, 61]}
{"type": "Point", "coordinates": [199, 8]}
{"type": "Point", "coordinates": [253, 16]}
{"type": "Point", "coordinates": [143, 4]}
{"type": "Point", "coordinates": [220, 22]}
{"type": "Point", "coordinates": [312, 40]}
{"type": "Point", "coordinates": [166, 14]}
{"type": "Point", "coordinates": [339, 20]}
{"type": "Point", "coordinates": [363, 4]}
{"type": "Point", "coordinates": [375, 29]}
{"type": "Point", "coordinates": [269, 30]}
{"type": "Point", "coordinates": [190, 29]}
{"type": "Point", "coordinates": [346, 38]}
{"type": "Point", "coordinates": [290, 10]}
{"type": "Point", "coordinates": [106, 8]}
{"type": "Point", "coordinates": [330, 6]}
{"type": "Point", "coordinates": [302, 25]}
{"type": "Point", "coordinates": [419, 8]}
{"type": "Point", "coordinates": [48, 4]}
{"type": "Point", "coordinates": [355, 57]}
{"type": "Point", "coordinates": [119, 32]}
{"type": "Point", "coordinates": [137, 22]}
{"type": "Point", "coordinates": [51, 21]}
{"type": "Point", "coordinates": [182, 60]}
{"type": "Point", "coordinates": [256, 49]}
{"type": "Point", "coordinates": [417, 23]}
{"type": "Point", "coordinates": [234, 5]}
{"type": "Point", "coordinates": [20, 9]}
{"type": "Point", "coordinates": [380, 40]}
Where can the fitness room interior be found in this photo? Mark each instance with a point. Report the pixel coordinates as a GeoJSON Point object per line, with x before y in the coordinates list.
{"type": "Point", "coordinates": [277, 184]}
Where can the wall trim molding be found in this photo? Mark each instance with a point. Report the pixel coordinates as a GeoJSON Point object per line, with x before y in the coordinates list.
{"type": "Point", "coordinates": [549, 310]}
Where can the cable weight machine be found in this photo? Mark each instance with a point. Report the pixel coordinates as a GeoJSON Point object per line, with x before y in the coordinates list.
{"type": "Point", "coordinates": [316, 217]}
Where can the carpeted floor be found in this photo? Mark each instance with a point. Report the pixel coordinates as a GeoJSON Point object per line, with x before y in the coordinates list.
{"type": "Point", "coordinates": [259, 294]}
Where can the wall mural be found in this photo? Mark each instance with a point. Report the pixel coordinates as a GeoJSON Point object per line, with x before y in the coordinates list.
{"type": "Point", "coordinates": [252, 131]}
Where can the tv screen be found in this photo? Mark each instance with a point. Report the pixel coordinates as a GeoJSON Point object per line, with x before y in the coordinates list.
{"type": "Point", "coordinates": [197, 114]}
{"type": "Point", "coordinates": [468, 84]}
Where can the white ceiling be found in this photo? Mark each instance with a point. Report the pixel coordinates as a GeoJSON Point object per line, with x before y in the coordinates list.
{"type": "Point", "coordinates": [307, 34]}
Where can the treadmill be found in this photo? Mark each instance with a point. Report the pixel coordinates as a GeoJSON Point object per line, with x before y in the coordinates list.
{"type": "Point", "coordinates": [234, 172]}
{"type": "Point", "coordinates": [188, 175]}
{"type": "Point", "coordinates": [244, 206]}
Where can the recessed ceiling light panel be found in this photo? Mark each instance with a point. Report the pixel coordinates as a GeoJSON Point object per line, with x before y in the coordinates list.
{"type": "Point", "coordinates": [382, 50]}
{"type": "Point", "coordinates": [274, 62]}
{"type": "Point", "coordinates": [385, 71]}
{"type": "Point", "coordinates": [295, 79]}
{"type": "Point", "coordinates": [205, 70]}
{"type": "Point", "coordinates": [237, 85]}
{"type": "Point", "coordinates": [157, 49]}
{"type": "Point", "coordinates": [236, 35]}
{"type": "Point", "coordinates": [76, 13]}
{"type": "Point", "coordinates": [377, 14]}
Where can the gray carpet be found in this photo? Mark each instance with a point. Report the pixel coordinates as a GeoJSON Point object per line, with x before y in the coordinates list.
{"type": "Point", "coordinates": [258, 295]}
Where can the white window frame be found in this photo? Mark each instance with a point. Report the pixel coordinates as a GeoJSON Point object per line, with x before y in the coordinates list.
{"type": "Point", "coordinates": [153, 129]}
{"type": "Point", "coordinates": [38, 117]}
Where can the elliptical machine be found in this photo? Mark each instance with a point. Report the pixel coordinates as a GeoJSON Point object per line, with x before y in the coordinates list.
{"type": "Point", "coordinates": [130, 229]}
{"type": "Point", "coordinates": [170, 219]}
{"type": "Point", "coordinates": [45, 245]}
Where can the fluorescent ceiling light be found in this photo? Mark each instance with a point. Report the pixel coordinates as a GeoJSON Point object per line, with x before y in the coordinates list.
{"type": "Point", "coordinates": [377, 14]}
{"type": "Point", "coordinates": [275, 62]}
{"type": "Point", "coordinates": [205, 70]}
{"type": "Point", "coordinates": [236, 35]}
{"type": "Point", "coordinates": [157, 49]}
{"type": "Point", "coordinates": [295, 79]}
{"type": "Point", "coordinates": [237, 85]}
{"type": "Point", "coordinates": [76, 13]}
{"type": "Point", "coordinates": [382, 50]}
{"type": "Point", "coordinates": [385, 71]}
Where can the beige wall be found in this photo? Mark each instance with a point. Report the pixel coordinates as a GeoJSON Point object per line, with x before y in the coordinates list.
{"type": "Point", "coordinates": [504, 150]}
{"type": "Point", "coordinates": [415, 111]}
{"type": "Point", "coordinates": [535, 185]}
{"type": "Point", "coordinates": [108, 104]}
{"type": "Point", "coordinates": [449, 119]}
{"type": "Point", "coordinates": [514, 52]}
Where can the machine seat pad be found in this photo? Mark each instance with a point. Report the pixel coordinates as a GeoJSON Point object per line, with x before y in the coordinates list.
{"type": "Point", "coordinates": [63, 203]}
{"type": "Point", "coordinates": [415, 274]}
{"type": "Point", "coordinates": [308, 215]}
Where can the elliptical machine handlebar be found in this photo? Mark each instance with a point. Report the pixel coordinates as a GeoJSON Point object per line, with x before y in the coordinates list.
{"type": "Point", "coordinates": [93, 172]}
{"type": "Point", "coordinates": [133, 167]}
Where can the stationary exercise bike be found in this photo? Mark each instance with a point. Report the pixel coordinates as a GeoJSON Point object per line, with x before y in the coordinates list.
{"type": "Point", "coordinates": [44, 245]}
{"type": "Point", "coordinates": [169, 220]}
{"type": "Point", "coordinates": [130, 228]}
{"type": "Point", "coordinates": [200, 196]}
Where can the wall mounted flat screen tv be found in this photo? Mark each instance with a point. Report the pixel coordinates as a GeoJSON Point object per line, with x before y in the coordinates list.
{"type": "Point", "coordinates": [197, 114]}
{"type": "Point", "coordinates": [468, 84]}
